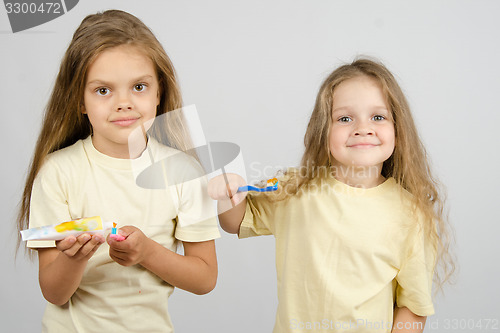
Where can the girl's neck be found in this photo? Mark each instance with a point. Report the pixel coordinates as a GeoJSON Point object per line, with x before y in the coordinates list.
{"type": "Point", "coordinates": [361, 177]}
{"type": "Point", "coordinates": [123, 151]}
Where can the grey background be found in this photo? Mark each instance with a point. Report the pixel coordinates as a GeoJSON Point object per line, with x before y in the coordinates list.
{"type": "Point", "coordinates": [253, 69]}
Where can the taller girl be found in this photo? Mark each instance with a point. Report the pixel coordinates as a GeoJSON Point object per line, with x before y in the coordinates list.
{"type": "Point", "coordinates": [115, 77]}
{"type": "Point", "coordinates": [359, 226]}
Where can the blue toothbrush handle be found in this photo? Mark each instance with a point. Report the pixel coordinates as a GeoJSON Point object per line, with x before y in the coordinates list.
{"type": "Point", "coordinates": [257, 189]}
{"type": "Point", "coordinates": [247, 188]}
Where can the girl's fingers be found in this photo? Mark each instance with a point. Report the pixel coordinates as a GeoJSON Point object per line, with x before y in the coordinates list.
{"type": "Point", "coordinates": [72, 251]}
{"type": "Point", "coordinates": [94, 250]}
{"type": "Point", "coordinates": [228, 190]}
{"type": "Point", "coordinates": [82, 246]}
{"type": "Point", "coordinates": [71, 247]}
{"type": "Point", "coordinates": [239, 197]}
{"type": "Point", "coordinates": [130, 251]}
{"type": "Point", "coordinates": [119, 257]}
{"type": "Point", "coordinates": [65, 243]}
{"type": "Point", "coordinates": [218, 189]}
{"type": "Point", "coordinates": [91, 246]}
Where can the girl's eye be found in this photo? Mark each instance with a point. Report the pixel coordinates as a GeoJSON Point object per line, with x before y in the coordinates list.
{"type": "Point", "coordinates": [102, 91]}
{"type": "Point", "coordinates": [344, 119]}
{"type": "Point", "coordinates": [139, 87]}
{"type": "Point", "coordinates": [378, 118]}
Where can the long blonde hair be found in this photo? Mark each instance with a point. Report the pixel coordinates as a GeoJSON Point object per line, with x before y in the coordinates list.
{"type": "Point", "coordinates": [64, 122]}
{"type": "Point", "coordinates": [408, 164]}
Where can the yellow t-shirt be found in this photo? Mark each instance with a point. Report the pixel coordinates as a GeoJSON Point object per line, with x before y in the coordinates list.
{"type": "Point", "coordinates": [344, 256]}
{"type": "Point", "coordinates": [79, 181]}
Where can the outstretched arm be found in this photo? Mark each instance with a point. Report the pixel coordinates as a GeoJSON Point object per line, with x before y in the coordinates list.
{"type": "Point", "coordinates": [406, 321]}
{"type": "Point", "coordinates": [230, 219]}
{"type": "Point", "coordinates": [195, 271]}
{"type": "Point", "coordinates": [230, 204]}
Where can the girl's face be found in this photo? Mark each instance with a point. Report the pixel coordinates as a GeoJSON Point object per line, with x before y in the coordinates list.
{"type": "Point", "coordinates": [362, 131]}
{"type": "Point", "coordinates": [121, 93]}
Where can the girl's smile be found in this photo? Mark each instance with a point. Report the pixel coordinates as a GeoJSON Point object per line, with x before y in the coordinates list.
{"type": "Point", "coordinates": [125, 122]}
{"type": "Point", "coordinates": [121, 93]}
{"type": "Point", "coordinates": [363, 145]}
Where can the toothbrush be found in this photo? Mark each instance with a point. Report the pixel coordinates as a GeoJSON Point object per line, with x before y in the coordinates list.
{"type": "Point", "coordinates": [272, 185]}
{"type": "Point", "coordinates": [114, 235]}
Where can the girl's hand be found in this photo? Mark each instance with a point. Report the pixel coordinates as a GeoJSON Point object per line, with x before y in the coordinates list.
{"type": "Point", "coordinates": [231, 205]}
{"type": "Point", "coordinates": [226, 193]}
{"type": "Point", "coordinates": [132, 250]}
{"type": "Point", "coordinates": [82, 247]}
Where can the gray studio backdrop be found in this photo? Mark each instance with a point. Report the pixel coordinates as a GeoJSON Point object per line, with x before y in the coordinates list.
{"type": "Point", "coordinates": [253, 69]}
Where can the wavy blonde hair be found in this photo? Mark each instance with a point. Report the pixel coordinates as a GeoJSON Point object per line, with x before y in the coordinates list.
{"type": "Point", "coordinates": [64, 122]}
{"type": "Point", "coordinates": [408, 164]}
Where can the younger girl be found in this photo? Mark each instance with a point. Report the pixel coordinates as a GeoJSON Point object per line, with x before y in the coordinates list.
{"type": "Point", "coordinates": [358, 226]}
{"type": "Point", "coordinates": [115, 76]}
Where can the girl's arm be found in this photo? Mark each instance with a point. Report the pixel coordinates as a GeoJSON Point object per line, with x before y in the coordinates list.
{"type": "Point", "coordinates": [231, 210]}
{"type": "Point", "coordinates": [230, 218]}
{"type": "Point", "coordinates": [406, 321]}
{"type": "Point", "coordinates": [61, 268]}
{"type": "Point", "coordinates": [195, 271]}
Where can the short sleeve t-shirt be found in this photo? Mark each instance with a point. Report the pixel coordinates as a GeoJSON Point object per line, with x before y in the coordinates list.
{"type": "Point", "coordinates": [79, 181]}
{"type": "Point", "coordinates": [344, 256]}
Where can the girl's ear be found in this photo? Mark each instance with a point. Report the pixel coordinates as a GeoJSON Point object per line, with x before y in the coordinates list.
{"type": "Point", "coordinates": [158, 96]}
{"type": "Point", "coordinates": [82, 108]}
{"type": "Point", "coordinates": [159, 91]}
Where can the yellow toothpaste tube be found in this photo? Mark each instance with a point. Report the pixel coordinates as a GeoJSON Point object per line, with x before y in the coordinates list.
{"type": "Point", "coordinates": [90, 225]}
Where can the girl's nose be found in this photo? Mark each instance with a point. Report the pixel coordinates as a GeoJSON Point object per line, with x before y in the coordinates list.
{"type": "Point", "coordinates": [363, 128]}
{"type": "Point", "coordinates": [124, 102]}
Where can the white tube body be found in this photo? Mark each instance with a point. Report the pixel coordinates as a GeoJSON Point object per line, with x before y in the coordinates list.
{"type": "Point", "coordinates": [90, 225]}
